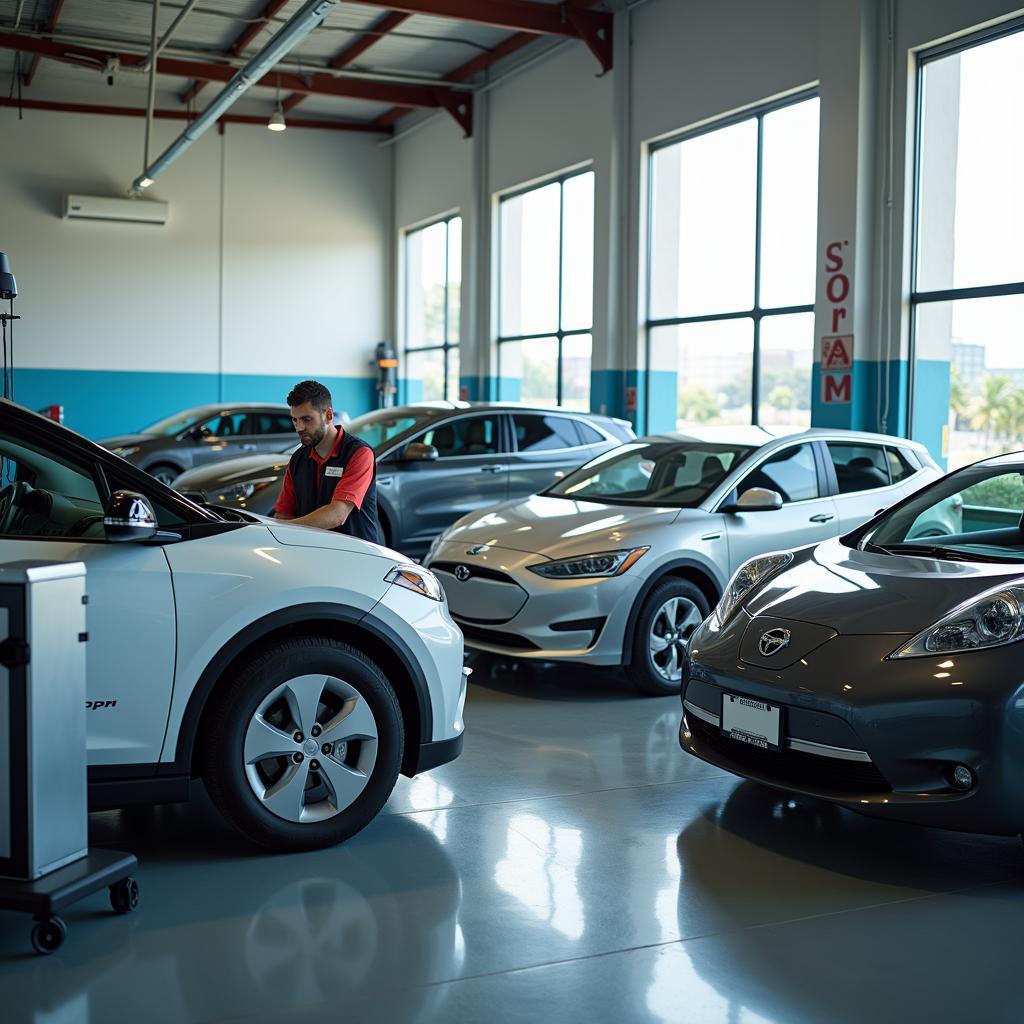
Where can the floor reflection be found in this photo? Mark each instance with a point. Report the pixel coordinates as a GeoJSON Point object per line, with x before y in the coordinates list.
{"type": "Point", "coordinates": [258, 936]}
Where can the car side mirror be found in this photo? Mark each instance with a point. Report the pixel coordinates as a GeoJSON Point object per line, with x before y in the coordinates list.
{"type": "Point", "coordinates": [129, 517]}
{"type": "Point", "coordinates": [755, 499]}
{"type": "Point", "coordinates": [419, 452]}
{"type": "Point", "coordinates": [197, 433]}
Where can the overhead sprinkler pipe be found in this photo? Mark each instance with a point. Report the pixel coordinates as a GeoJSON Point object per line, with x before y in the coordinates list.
{"type": "Point", "coordinates": [307, 18]}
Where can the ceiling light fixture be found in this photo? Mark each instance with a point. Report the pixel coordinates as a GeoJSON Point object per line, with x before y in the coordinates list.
{"type": "Point", "coordinates": [276, 122]}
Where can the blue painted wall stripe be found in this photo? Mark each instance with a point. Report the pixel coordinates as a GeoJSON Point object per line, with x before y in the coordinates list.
{"type": "Point", "coordinates": [101, 403]}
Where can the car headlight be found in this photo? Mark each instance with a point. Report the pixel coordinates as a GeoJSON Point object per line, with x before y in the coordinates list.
{"type": "Point", "coordinates": [242, 492]}
{"type": "Point", "coordinates": [125, 452]}
{"type": "Point", "coordinates": [604, 563]}
{"type": "Point", "coordinates": [746, 579]}
{"type": "Point", "coordinates": [412, 577]}
{"type": "Point", "coordinates": [992, 620]}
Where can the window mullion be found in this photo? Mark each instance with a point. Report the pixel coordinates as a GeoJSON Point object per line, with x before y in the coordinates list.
{"type": "Point", "coordinates": [561, 275]}
{"type": "Point", "coordinates": [755, 377]}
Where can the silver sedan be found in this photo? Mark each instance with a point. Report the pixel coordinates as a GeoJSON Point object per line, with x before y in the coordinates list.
{"type": "Point", "coordinates": [620, 561]}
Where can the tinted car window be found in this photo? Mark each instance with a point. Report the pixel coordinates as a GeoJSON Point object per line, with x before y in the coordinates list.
{"type": "Point", "coordinates": [976, 512]}
{"type": "Point", "coordinates": [271, 423]}
{"type": "Point", "coordinates": [378, 427]}
{"type": "Point", "coordinates": [899, 467]}
{"type": "Point", "coordinates": [229, 424]}
{"type": "Point", "coordinates": [544, 433]}
{"type": "Point", "coordinates": [470, 435]}
{"type": "Point", "coordinates": [588, 435]}
{"type": "Point", "coordinates": [54, 498]}
{"type": "Point", "coordinates": [791, 472]}
{"type": "Point", "coordinates": [859, 467]}
{"type": "Point", "coordinates": [659, 473]}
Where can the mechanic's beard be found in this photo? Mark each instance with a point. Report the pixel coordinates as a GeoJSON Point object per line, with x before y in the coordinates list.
{"type": "Point", "coordinates": [315, 437]}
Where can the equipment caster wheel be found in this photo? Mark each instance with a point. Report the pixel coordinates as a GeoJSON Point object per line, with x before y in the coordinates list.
{"type": "Point", "coordinates": [124, 896]}
{"type": "Point", "coordinates": [49, 934]}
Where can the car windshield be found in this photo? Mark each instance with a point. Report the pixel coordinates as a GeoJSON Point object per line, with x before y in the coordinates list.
{"type": "Point", "coordinates": [652, 473]}
{"type": "Point", "coordinates": [175, 424]}
{"type": "Point", "coordinates": [972, 516]}
{"type": "Point", "coordinates": [383, 425]}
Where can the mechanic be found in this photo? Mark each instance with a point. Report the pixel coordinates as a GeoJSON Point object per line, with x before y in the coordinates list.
{"type": "Point", "coordinates": [331, 480]}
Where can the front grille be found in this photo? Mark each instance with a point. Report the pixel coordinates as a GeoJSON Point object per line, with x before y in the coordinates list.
{"type": "Point", "coordinates": [493, 637]}
{"type": "Point", "coordinates": [804, 771]}
{"type": "Point", "coordinates": [479, 572]}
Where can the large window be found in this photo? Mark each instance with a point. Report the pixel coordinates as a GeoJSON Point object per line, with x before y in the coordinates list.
{"type": "Point", "coordinates": [433, 285]}
{"type": "Point", "coordinates": [730, 288]}
{"type": "Point", "coordinates": [968, 286]}
{"type": "Point", "coordinates": [546, 293]}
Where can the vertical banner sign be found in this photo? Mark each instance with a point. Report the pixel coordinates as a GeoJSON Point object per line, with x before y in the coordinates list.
{"type": "Point", "coordinates": [835, 357]}
{"type": "Point", "coordinates": [631, 403]}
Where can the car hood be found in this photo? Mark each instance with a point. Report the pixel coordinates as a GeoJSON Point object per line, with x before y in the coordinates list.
{"type": "Point", "coordinates": [126, 440]}
{"type": "Point", "coordinates": [854, 591]}
{"type": "Point", "coordinates": [231, 471]}
{"type": "Point", "coordinates": [553, 526]}
{"type": "Point", "coordinates": [327, 540]}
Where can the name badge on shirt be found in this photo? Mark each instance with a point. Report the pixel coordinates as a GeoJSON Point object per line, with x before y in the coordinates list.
{"type": "Point", "coordinates": [334, 470]}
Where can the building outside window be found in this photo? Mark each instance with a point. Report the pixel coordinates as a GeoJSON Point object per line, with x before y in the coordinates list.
{"type": "Point", "coordinates": [546, 293]}
{"type": "Point", "coordinates": [433, 286]}
{"type": "Point", "coordinates": [730, 287]}
{"type": "Point", "coordinates": [967, 296]}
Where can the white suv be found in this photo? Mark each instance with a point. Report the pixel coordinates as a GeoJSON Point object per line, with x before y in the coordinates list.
{"type": "Point", "coordinates": [296, 671]}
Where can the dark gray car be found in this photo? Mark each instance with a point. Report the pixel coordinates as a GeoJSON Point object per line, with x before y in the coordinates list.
{"type": "Point", "coordinates": [207, 433]}
{"type": "Point", "coordinates": [436, 462]}
{"type": "Point", "coordinates": [880, 670]}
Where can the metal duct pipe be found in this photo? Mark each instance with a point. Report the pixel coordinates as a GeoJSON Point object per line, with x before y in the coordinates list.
{"type": "Point", "coordinates": [307, 18]}
{"type": "Point", "coordinates": [151, 91]}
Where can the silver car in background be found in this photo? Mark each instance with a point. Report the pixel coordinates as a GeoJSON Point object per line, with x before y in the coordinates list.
{"type": "Point", "coordinates": [620, 561]}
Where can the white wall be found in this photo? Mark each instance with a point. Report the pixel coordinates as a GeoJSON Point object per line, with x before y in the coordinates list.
{"type": "Point", "coordinates": [273, 266]}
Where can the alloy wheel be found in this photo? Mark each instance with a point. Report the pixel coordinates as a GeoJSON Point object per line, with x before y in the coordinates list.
{"type": "Point", "coordinates": [310, 748]}
{"type": "Point", "coordinates": [671, 628]}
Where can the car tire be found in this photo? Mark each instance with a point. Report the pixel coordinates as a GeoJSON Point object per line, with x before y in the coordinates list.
{"type": "Point", "coordinates": [670, 613]}
{"type": "Point", "coordinates": [164, 472]}
{"type": "Point", "coordinates": [258, 760]}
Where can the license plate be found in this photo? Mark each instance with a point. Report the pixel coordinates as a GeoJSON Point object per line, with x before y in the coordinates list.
{"type": "Point", "coordinates": [752, 721]}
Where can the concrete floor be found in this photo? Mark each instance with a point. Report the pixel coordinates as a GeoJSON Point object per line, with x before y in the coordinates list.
{"type": "Point", "coordinates": [572, 865]}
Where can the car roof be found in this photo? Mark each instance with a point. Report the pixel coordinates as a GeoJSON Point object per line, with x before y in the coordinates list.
{"type": "Point", "coordinates": [440, 407]}
{"type": "Point", "coordinates": [217, 406]}
{"type": "Point", "coordinates": [760, 436]}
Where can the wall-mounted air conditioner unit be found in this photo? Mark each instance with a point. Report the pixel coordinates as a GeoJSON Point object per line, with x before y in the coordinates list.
{"type": "Point", "coordinates": [137, 211]}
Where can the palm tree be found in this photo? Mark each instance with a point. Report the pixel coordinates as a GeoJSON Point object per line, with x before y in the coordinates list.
{"type": "Point", "coordinates": [995, 395]}
{"type": "Point", "coordinates": [960, 395]}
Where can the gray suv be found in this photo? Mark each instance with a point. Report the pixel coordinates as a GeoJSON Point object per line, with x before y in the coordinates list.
{"type": "Point", "coordinates": [435, 462]}
{"type": "Point", "coordinates": [204, 434]}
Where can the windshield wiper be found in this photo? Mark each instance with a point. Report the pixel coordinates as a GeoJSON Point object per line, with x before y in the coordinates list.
{"type": "Point", "coordinates": [937, 551]}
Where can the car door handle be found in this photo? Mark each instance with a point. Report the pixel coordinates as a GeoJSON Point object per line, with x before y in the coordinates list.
{"type": "Point", "coordinates": [821, 517]}
{"type": "Point", "coordinates": [248, 447]}
{"type": "Point", "coordinates": [493, 469]}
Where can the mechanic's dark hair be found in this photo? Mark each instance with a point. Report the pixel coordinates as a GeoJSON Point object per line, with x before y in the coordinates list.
{"type": "Point", "coordinates": [310, 391]}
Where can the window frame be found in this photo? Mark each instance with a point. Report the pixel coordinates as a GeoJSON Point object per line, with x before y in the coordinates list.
{"type": "Point", "coordinates": [758, 312]}
{"type": "Point", "coordinates": [559, 334]}
{"type": "Point", "coordinates": [917, 297]}
{"type": "Point", "coordinates": [447, 344]}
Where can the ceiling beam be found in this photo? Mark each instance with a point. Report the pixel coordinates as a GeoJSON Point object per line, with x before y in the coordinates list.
{"type": "Point", "coordinates": [423, 96]}
{"type": "Point", "coordinates": [51, 25]}
{"type": "Point", "coordinates": [184, 115]}
{"type": "Point", "coordinates": [482, 62]}
{"type": "Point", "coordinates": [355, 49]}
{"type": "Point", "coordinates": [242, 40]}
{"type": "Point", "coordinates": [516, 15]}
